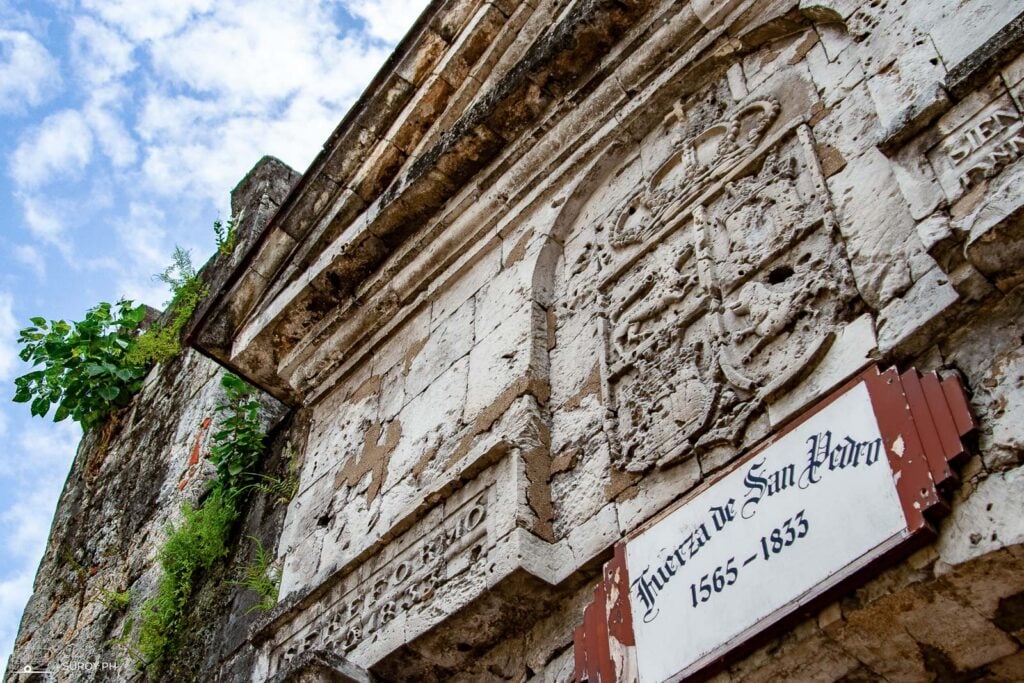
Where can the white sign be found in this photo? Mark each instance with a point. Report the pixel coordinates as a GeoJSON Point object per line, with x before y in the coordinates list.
{"type": "Point", "coordinates": [805, 512]}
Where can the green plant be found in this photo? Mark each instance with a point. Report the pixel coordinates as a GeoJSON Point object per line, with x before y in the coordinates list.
{"type": "Point", "coordinates": [162, 341]}
{"type": "Point", "coordinates": [86, 368]}
{"type": "Point", "coordinates": [238, 443]}
{"type": "Point", "coordinates": [262, 577]}
{"type": "Point", "coordinates": [191, 547]}
{"type": "Point", "coordinates": [115, 601]}
{"type": "Point", "coordinates": [194, 546]}
{"type": "Point", "coordinates": [126, 644]}
{"type": "Point", "coordinates": [225, 235]}
{"type": "Point", "coordinates": [278, 489]}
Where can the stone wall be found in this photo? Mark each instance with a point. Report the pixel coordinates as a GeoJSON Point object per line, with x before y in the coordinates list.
{"type": "Point", "coordinates": [566, 261]}
{"type": "Point", "coordinates": [127, 484]}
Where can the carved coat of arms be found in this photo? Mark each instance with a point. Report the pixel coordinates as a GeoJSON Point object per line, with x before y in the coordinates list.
{"type": "Point", "coordinates": [722, 283]}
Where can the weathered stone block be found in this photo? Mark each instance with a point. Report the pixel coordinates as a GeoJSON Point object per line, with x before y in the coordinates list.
{"type": "Point", "coordinates": [431, 419]}
{"type": "Point", "coordinates": [447, 343]}
{"type": "Point", "coordinates": [834, 77]}
{"type": "Point", "coordinates": [503, 295]}
{"type": "Point", "coordinates": [854, 348]}
{"type": "Point", "coordinates": [509, 354]}
{"type": "Point", "coordinates": [917, 313]}
{"type": "Point", "coordinates": [963, 32]}
{"type": "Point", "coordinates": [472, 277]}
{"type": "Point", "coordinates": [878, 229]}
{"type": "Point", "coordinates": [981, 524]}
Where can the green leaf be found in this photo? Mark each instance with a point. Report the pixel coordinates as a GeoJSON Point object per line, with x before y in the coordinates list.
{"type": "Point", "coordinates": [39, 407]}
{"type": "Point", "coordinates": [87, 367]}
{"type": "Point", "coordinates": [137, 314]}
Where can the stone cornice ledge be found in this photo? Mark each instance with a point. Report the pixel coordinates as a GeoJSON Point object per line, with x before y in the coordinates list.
{"type": "Point", "coordinates": [350, 164]}
{"type": "Point", "coordinates": [405, 205]}
{"type": "Point", "coordinates": [322, 665]}
{"type": "Point", "coordinates": [345, 281]}
{"type": "Point", "coordinates": [563, 142]}
{"type": "Point", "coordinates": [519, 549]}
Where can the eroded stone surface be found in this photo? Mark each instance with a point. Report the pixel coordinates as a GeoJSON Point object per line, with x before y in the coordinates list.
{"type": "Point", "coordinates": [572, 259]}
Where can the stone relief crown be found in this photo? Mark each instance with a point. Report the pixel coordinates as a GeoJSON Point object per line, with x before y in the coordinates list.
{"type": "Point", "coordinates": [742, 192]}
{"type": "Point", "coordinates": [693, 164]}
{"type": "Point", "coordinates": [715, 150]}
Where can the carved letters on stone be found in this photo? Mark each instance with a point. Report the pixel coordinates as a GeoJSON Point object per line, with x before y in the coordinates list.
{"type": "Point", "coordinates": [390, 585]}
{"type": "Point", "coordinates": [980, 148]}
{"type": "Point", "coordinates": [731, 294]}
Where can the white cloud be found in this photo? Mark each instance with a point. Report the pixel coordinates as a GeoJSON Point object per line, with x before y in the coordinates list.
{"type": "Point", "coordinates": [104, 112]}
{"type": "Point", "coordinates": [99, 54]}
{"type": "Point", "coordinates": [8, 337]}
{"type": "Point", "coordinates": [244, 80]}
{"type": "Point", "coordinates": [60, 146]}
{"type": "Point", "coordinates": [41, 456]}
{"type": "Point", "coordinates": [34, 467]}
{"type": "Point", "coordinates": [28, 72]}
{"type": "Point", "coordinates": [150, 20]}
{"type": "Point", "coordinates": [52, 447]}
{"type": "Point", "coordinates": [41, 219]}
{"type": "Point", "coordinates": [144, 241]}
{"type": "Point", "coordinates": [26, 524]}
{"type": "Point", "coordinates": [142, 237]}
{"type": "Point", "coordinates": [20, 18]}
{"type": "Point", "coordinates": [59, 439]}
{"type": "Point", "coordinates": [220, 86]}
{"type": "Point", "coordinates": [229, 53]}
{"type": "Point", "coordinates": [143, 290]}
{"type": "Point", "coordinates": [29, 256]}
{"type": "Point", "coordinates": [380, 16]}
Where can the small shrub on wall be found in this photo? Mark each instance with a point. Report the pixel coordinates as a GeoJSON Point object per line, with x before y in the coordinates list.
{"type": "Point", "coordinates": [238, 441]}
{"type": "Point", "coordinates": [192, 547]}
{"type": "Point", "coordinates": [202, 539]}
{"type": "Point", "coordinates": [162, 342]}
{"type": "Point", "coordinates": [84, 368]}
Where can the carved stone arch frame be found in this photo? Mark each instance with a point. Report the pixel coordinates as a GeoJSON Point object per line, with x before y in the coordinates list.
{"type": "Point", "coordinates": [764, 158]}
{"type": "Point", "coordinates": [549, 264]}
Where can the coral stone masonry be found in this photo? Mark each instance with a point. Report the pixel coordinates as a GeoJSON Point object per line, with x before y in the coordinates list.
{"type": "Point", "coordinates": [570, 277]}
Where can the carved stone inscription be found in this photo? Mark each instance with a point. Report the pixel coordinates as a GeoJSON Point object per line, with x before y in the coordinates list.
{"type": "Point", "coordinates": [732, 293]}
{"type": "Point", "coordinates": [980, 148]}
{"type": "Point", "coordinates": [389, 585]}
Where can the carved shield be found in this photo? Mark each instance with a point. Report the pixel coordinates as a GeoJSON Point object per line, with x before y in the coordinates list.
{"type": "Point", "coordinates": [722, 283]}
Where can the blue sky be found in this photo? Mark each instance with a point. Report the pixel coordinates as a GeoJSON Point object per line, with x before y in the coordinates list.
{"type": "Point", "coordinates": [123, 126]}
